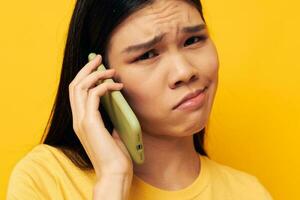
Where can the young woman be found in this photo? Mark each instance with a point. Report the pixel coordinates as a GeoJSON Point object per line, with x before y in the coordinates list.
{"type": "Point", "coordinates": [166, 65]}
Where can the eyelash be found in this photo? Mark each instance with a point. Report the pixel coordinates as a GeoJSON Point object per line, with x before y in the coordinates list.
{"type": "Point", "coordinates": [201, 38]}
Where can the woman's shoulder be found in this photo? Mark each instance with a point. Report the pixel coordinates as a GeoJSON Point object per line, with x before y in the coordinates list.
{"type": "Point", "coordinates": [43, 171]}
{"type": "Point", "coordinates": [33, 172]}
{"type": "Point", "coordinates": [41, 162]}
{"type": "Point", "coordinates": [41, 155]}
{"type": "Point", "coordinates": [45, 159]}
{"type": "Point", "coordinates": [225, 171]}
{"type": "Point", "coordinates": [237, 181]}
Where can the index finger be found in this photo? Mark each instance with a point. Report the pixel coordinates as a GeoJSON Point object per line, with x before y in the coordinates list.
{"type": "Point", "coordinates": [88, 68]}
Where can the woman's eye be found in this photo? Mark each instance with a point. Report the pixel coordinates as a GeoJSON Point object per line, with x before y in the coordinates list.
{"type": "Point", "coordinates": [195, 39]}
{"type": "Point", "coordinates": [146, 56]}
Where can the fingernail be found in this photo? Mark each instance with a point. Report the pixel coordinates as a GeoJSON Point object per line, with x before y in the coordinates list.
{"type": "Point", "coordinates": [91, 56]}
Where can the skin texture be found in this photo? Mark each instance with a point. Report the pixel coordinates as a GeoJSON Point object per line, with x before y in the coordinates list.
{"type": "Point", "coordinates": [154, 83]}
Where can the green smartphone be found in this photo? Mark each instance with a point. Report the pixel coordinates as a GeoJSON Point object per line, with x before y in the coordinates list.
{"type": "Point", "coordinates": [123, 118]}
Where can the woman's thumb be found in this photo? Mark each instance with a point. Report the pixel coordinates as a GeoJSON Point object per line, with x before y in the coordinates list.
{"type": "Point", "coordinates": [115, 135]}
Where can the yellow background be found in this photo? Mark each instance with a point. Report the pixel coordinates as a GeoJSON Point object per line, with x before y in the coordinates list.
{"type": "Point", "coordinates": [255, 122]}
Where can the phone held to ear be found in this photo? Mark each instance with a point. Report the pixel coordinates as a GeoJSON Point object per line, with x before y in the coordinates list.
{"type": "Point", "coordinates": [124, 120]}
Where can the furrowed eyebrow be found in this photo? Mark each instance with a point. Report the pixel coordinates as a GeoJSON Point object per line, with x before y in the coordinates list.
{"type": "Point", "coordinates": [158, 38]}
{"type": "Point", "coordinates": [194, 29]}
{"type": "Point", "coordinates": [145, 45]}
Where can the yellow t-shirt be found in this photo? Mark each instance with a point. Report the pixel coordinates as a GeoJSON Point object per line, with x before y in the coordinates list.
{"type": "Point", "coordinates": [46, 173]}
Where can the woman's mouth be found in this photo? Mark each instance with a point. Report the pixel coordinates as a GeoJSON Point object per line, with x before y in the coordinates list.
{"type": "Point", "coordinates": [192, 100]}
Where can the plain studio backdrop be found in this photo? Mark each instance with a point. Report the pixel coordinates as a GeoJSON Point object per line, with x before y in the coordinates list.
{"type": "Point", "coordinates": [255, 121]}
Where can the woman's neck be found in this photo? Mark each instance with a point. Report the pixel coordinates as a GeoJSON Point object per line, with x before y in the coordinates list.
{"type": "Point", "coordinates": [170, 164]}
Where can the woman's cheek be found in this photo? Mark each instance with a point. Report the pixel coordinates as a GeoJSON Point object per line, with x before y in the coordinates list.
{"type": "Point", "coordinates": [135, 96]}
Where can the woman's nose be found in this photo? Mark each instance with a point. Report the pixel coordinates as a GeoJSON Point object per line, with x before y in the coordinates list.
{"type": "Point", "coordinates": [182, 72]}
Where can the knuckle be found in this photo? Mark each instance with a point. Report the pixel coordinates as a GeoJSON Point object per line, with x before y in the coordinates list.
{"type": "Point", "coordinates": [77, 86]}
{"type": "Point", "coordinates": [75, 128]}
{"type": "Point", "coordinates": [93, 91]}
{"type": "Point", "coordinates": [71, 85]}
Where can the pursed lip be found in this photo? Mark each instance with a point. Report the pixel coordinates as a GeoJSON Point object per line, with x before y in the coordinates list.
{"type": "Point", "coordinates": [189, 96]}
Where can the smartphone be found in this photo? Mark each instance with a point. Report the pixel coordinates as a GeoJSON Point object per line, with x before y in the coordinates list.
{"type": "Point", "coordinates": [123, 118]}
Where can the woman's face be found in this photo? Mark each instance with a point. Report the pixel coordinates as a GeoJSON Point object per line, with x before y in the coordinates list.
{"type": "Point", "coordinates": [157, 75]}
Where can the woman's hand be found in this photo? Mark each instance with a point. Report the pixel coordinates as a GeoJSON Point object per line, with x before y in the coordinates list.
{"type": "Point", "coordinates": [107, 153]}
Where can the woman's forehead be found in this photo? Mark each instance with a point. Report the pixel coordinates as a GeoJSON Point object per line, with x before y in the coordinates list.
{"type": "Point", "coordinates": [163, 12]}
{"type": "Point", "coordinates": [159, 18]}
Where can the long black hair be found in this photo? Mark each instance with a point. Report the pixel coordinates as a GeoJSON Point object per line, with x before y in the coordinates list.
{"type": "Point", "coordinates": [90, 28]}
